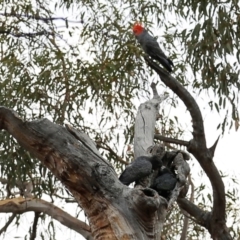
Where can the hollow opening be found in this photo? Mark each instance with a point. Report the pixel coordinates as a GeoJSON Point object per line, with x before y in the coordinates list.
{"type": "Point", "coordinates": [148, 192]}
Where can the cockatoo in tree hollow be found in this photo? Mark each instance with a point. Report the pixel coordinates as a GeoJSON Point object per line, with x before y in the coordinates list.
{"type": "Point", "coordinates": [150, 46]}
{"type": "Point", "coordinates": [141, 167]}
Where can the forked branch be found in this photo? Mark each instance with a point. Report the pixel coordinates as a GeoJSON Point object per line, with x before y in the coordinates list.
{"type": "Point", "coordinates": [197, 146]}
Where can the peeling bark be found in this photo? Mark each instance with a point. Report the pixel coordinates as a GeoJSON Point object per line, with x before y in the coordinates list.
{"type": "Point", "coordinates": [182, 169]}
{"type": "Point", "coordinates": [114, 211]}
{"type": "Point", "coordinates": [145, 124]}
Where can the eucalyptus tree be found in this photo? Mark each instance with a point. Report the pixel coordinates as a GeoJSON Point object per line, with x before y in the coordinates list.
{"type": "Point", "coordinates": [78, 64]}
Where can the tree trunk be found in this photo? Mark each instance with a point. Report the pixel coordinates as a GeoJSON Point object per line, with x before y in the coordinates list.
{"type": "Point", "coordinates": [114, 210]}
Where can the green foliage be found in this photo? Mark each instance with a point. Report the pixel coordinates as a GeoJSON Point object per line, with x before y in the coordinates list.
{"type": "Point", "coordinates": [212, 49]}
{"type": "Point", "coordinates": [90, 73]}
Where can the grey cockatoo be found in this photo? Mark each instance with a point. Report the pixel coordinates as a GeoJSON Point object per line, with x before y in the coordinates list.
{"type": "Point", "coordinates": [150, 46]}
{"type": "Point", "coordinates": [141, 167]}
{"type": "Point", "coordinates": [165, 182]}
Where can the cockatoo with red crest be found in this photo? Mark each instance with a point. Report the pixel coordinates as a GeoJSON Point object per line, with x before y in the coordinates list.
{"type": "Point", "coordinates": [150, 46]}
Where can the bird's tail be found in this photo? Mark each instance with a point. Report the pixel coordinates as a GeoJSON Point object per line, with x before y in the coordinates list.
{"type": "Point", "coordinates": [166, 62]}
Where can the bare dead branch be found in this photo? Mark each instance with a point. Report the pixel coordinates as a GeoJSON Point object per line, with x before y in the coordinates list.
{"type": "Point", "coordinates": [21, 205]}
{"type": "Point", "coordinates": [185, 228]}
{"type": "Point", "coordinates": [145, 125]}
{"type": "Point", "coordinates": [171, 140]}
{"type": "Point", "coordinates": [192, 188]}
{"type": "Point", "coordinates": [200, 217]}
{"type": "Point", "coordinates": [182, 169]}
{"type": "Point", "coordinates": [144, 146]}
{"type": "Point", "coordinates": [154, 89]}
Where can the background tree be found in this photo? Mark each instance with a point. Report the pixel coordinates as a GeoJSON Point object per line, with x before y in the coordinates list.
{"type": "Point", "coordinates": [92, 69]}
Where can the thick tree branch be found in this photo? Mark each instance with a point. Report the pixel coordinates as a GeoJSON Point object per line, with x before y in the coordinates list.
{"type": "Point", "coordinates": [144, 146]}
{"type": "Point", "coordinates": [200, 217]}
{"type": "Point", "coordinates": [21, 205]}
{"type": "Point", "coordinates": [171, 140]}
{"type": "Point", "coordinates": [145, 124]}
{"type": "Point", "coordinates": [199, 149]}
{"type": "Point", "coordinates": [86, 174]}
{"type": "Point", "coordinates": [71, 156]}
{"type": "Point", "coordinates": [189, 101]}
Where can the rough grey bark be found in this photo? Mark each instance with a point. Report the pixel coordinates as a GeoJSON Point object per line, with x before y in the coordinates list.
{"type": "Point", "coordinates": [145, 124]}
{"type": "Point", "coordinates": [114, 210]}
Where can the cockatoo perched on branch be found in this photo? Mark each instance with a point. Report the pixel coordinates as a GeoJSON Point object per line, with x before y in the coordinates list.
{"type": "Point", "coordinates": [150, 46]}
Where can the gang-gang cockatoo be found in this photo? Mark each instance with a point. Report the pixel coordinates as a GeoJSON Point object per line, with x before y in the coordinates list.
{"type": "Point", "coordinates": [150, 46]}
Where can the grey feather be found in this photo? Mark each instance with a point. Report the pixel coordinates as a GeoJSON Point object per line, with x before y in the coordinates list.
{"type": "Point", "coordinates": [151, 47]}
{"type": "Point", "coordinates": [141, 167]}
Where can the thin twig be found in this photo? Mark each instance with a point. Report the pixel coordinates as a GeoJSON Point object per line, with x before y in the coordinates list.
{"type": "Point", "coordinates": [34, 226]}
{"type": "Point", "coordinates": [110, 150]}
{"type": "Point", "coordinates": [41, 33]}
{"type": "Point", "coordinates": [11, 218]}
{"type": "Point", "coordinates": [44, 19]}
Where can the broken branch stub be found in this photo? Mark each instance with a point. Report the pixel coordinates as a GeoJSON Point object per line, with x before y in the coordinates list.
{"type": "Point", "coordinates": [145, 125]}
{"type": "Point", "coordinates": [182, 171]}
